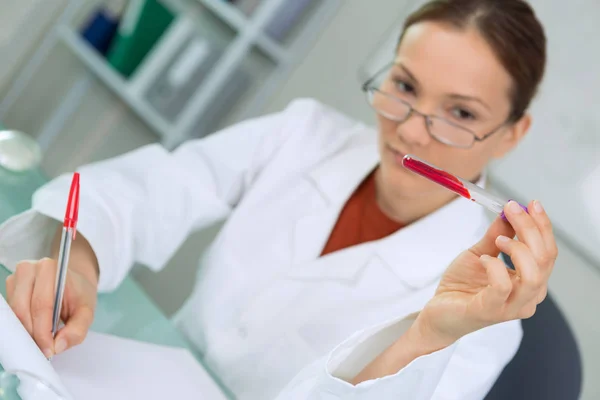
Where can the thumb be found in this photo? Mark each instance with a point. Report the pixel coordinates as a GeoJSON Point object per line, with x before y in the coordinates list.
{"type": "Point", "coordinates": [487, 244]}
{"type": "Point", "coordinates": [74, 331]}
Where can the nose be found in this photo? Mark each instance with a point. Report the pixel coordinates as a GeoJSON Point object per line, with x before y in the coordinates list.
{"type": "Point", "coordinates": [413, 130]}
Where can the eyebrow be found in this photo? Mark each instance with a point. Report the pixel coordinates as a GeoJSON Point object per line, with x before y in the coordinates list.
{"type": "Point", "coordinates": [407, 71]}
{"type": "Point", "coordinates": [452, 95]}
{"type": "Point", "coordinates": [470, 98]}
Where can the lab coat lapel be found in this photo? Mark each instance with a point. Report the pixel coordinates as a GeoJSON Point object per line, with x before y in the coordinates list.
{"type": "Point", "coordinates": [334, 180]}
{"type": "Point", "coordinates": [418, 254]}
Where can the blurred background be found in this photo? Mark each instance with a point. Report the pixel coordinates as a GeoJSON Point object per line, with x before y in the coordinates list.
{"type": "Point", "coordinates": [91, 79]}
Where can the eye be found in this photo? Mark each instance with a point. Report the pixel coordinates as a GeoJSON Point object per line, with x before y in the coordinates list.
{"type": "Point", "coordinates": [463, 114]}
{"type": "Point", "coordinates": [403, 87]}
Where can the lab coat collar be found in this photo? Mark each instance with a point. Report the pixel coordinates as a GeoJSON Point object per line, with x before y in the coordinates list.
{"type": "Point", "coordinates": [418, 253]}
{"type": "Point", "coordinates": [447, 231]}
{"type": "Point", "coordinates": [335, 180]}
{"type": "Point", "coordinates": [338, 177]}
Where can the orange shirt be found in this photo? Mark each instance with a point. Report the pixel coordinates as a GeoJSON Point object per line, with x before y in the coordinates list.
{"type": "Point", "coordinates": [361, 220]}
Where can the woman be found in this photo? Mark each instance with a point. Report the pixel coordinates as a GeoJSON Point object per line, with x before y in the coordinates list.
{"type": "Point", "coordinates": [327, 280]}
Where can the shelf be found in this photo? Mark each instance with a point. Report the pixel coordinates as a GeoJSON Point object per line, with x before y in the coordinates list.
{"type": "Point", "coordinates": [233, 16]}
{"type": "Point", "coordinates": [236, 19]}
{"type": "Point", "coordinates": [98, 65]}
{"type": "Point", "coordinates": [230, 14]}
{"type": "Point", "coordinates": [271, 48]}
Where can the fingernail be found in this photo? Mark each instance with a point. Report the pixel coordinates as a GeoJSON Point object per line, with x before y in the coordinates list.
{"type": "Point", "coordinates": [484, 257]}
{"type": "Point", "coordinates": [538, 207]}
{"type": "Point", "coordinates": [514, 207]}
{"type": "Point", "coordinates": [61, 346]}
{"type": "Point", "coordinates": [48, 353]}
{"type": "Point", "coordinates": [502, 239]}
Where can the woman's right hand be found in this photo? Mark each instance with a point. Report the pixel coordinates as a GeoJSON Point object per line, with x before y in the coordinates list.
{"type": "Point", "coordinates": [30, 292]}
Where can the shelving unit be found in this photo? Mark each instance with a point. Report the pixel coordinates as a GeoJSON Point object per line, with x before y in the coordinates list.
{"type": "Point", "coordinates": [229, 14]}
{"type": "Point", "coordinates": [103, 72]}
{"type": "Point", "coordinates": [248, 35]}
{"type": "Point", "coordinates": [236, 19]}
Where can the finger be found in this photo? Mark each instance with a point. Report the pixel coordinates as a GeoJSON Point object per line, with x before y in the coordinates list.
{"type": "Point", "coordinates": [10, 287]}
{"type": "Point", "coordinates": [487, 244]}
{"type": "Point", "coordinates": [527, 311]}
{"type": "Point", "coordinates": [531, 280]}
{"type": "Point", "coordinates": [75, 331]}
{"type": "Point", "coordinates": [42, 305]}
{"type": "Point", "coordinates": [20, 302]}
{"type": "Point", "coordinates": [545, 226]}
{"type": "Point", "coordinates": [526, 228]}
{"type": "Point", "coordinates": [542, 295]}
{"type": "Point", "coordinates": [494, 296]}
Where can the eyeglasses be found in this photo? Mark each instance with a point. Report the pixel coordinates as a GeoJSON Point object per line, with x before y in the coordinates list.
{"type": "Point", "coordinates": [399, 110]}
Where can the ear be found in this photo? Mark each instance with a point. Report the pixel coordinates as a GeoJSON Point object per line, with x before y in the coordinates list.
{"type": "Point", "coordinates": [513, 135]}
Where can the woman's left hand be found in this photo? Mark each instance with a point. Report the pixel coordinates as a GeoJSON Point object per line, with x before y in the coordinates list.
{"type": "Point", "coordinates": [478, 290]}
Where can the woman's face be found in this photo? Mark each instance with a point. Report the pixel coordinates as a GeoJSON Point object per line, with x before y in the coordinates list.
{"type": "Point", "coordinates": [453, 74]}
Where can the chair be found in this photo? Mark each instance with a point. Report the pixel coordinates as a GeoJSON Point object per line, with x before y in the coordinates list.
{"type": "Point", "coordinates": [548, 363]}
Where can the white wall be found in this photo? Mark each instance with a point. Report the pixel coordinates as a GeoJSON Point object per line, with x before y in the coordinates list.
{"type": "Point", "coordinates": [330, 72]}
{"type": "Point", "coordinates": [23, 23]}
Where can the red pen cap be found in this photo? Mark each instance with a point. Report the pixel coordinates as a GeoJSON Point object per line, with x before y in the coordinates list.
{"type": "Point", "coordinates": [73, 205]}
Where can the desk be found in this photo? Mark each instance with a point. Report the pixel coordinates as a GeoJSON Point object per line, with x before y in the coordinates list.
{"type": "Point", "coordinates": [127, 312]}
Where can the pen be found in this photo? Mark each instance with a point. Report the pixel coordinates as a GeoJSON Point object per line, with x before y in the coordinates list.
{"type": "Point", "coordinates": [68, 235]}
{"type": "Point", "coordinates": [457, 185]}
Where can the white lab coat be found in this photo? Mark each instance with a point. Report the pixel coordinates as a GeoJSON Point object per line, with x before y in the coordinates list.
{"type": "Point", "coordinates": [267, 312]}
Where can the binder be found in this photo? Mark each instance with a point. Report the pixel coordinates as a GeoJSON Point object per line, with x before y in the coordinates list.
{"type": "Point", "coordinates": [102, 26]}
{"type": "Point", "coordinates": [143, 24]}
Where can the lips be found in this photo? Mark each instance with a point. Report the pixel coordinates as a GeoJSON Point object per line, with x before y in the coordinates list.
{"type": "Point", "coordinates": [398, 156]}
{"type": "Point", "coordinates": [396, 152]}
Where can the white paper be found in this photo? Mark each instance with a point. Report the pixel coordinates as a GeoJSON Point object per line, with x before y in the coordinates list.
{"type": "Point", "coordinates": [19, 352]}
{"type": "Point", "coordinates": [107, 367]}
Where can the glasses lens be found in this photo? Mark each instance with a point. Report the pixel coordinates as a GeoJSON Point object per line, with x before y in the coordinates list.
{"type": "Point", "coordinates": [450, 134]}
{"type": "Point", "coordinates": [389, 96]}
{"type": "Point", "coordinates": [388, 106]}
